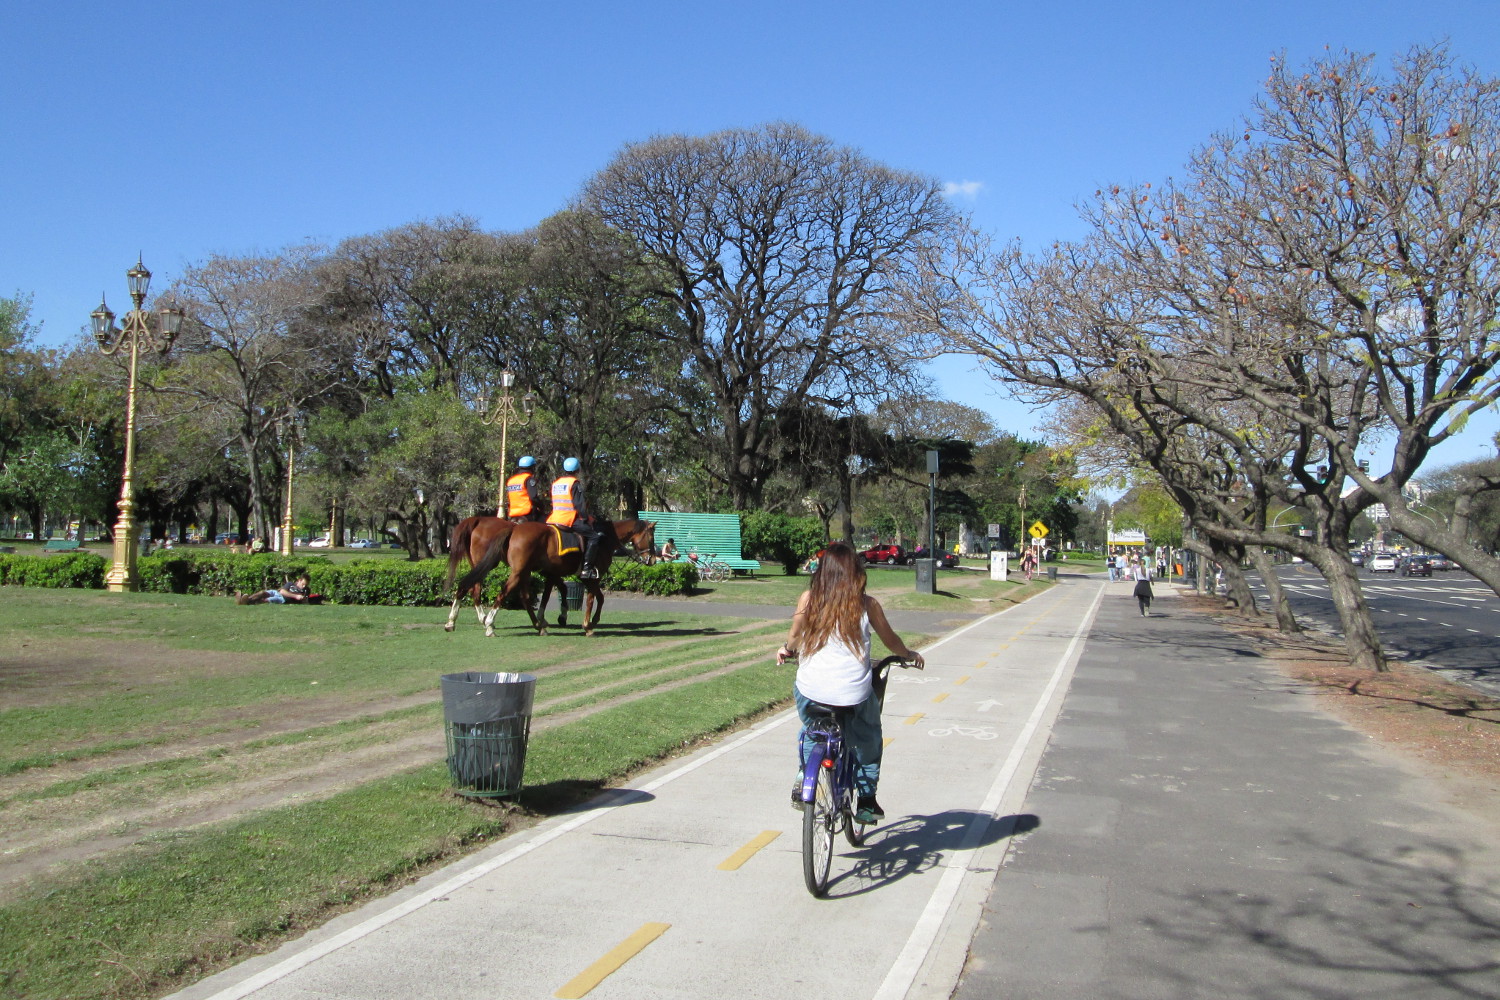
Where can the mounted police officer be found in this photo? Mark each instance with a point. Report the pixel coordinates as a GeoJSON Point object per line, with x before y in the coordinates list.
{"type": "Point", "coordinates": [520, 492]}
{"type": "Point", "coordinates": [570, 510]}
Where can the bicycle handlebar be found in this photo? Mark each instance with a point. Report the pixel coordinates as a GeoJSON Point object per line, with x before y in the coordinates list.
{"type": "Point", "coordinates": [893, 660]}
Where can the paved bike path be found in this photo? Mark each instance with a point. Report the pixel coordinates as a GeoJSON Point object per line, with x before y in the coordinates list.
{"type": "Point", "coordinates": [1199, 828]}
{"type": "Point", "coordinates": [696, 873]}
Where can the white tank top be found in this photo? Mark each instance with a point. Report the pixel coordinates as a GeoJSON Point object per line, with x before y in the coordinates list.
{"type": "Point", "coordinates": [836, 674]}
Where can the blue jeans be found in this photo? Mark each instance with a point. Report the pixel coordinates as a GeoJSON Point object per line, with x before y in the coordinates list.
{"type": "Point", "coordinates": [861, 734]}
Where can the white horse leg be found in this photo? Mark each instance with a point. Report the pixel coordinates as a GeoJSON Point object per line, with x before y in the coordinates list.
{"type": "Point", "coordinates": [453, 614]}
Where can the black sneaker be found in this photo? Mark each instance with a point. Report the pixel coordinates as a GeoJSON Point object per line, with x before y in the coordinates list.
{"type": "Point", "coordinates": [797, 802]}
{"type": "Point", "coordinates": [868, 811]}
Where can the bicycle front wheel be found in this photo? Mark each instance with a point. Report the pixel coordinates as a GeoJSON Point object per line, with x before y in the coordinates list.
{"type": "Point", "coordinates": [818, 820]}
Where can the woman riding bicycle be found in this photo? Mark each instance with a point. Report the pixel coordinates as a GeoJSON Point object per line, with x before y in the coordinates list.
{"type": "Point", "coordinates": [831, 634]}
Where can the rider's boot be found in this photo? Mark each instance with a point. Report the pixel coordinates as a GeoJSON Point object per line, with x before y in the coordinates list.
{"type": "Point", "coordinates": [590, 569]}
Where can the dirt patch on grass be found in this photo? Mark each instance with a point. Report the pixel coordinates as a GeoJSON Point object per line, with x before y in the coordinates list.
{"type": "Point", "coordinates": [1448, 732]}
{"type": "Point", "coordinates": [259, 757]}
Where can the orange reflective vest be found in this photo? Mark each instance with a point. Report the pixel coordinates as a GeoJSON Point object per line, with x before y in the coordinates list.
{"type": "Point", "coordinates": [518, 495]}
{"type": "Point", "coordinates": [563, 510]}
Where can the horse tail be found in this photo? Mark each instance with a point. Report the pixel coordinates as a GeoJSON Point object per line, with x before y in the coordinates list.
{"type": "Point", "coordinates": [458, 549]}
{"type": "Point", "coordinates": [493, 556]}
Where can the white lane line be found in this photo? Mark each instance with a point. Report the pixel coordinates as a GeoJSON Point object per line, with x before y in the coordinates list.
{"type": "Point", "coordinates": [909, 963]}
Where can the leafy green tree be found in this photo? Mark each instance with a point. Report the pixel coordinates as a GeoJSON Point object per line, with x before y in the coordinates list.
{"type": "Point", "coordinates": [790, 541]}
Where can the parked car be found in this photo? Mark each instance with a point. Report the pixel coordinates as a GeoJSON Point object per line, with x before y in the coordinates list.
{"type": "Point", "coordinates": [1357, 557]}
{"type": "Point", "coordinates": [319, 543]}
{"type": "Point", "coordinates": [1441, 563]}
{"type": "Point", "coordinates": [1382, 562]}
{"type": "Point", "coordinates": [364, 543]}
{"type": "Point", "coordinates": [1416, 566]}
{"type": "Point", "coordinates": [891, 555]}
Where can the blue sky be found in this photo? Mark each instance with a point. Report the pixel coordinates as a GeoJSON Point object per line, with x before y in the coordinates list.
{"type": "Point", "coordinates": [179, 130]}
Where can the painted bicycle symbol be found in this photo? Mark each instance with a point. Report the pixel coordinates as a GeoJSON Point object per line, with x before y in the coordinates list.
{"type": "Point", "coordinates": [978, 732]}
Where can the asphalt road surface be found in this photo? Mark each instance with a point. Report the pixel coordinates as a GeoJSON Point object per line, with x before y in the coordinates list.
{"type": "Point", "coordinates": [1449, 622]}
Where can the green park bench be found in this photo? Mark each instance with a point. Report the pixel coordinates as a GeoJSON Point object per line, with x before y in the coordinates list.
{"type": "Point", "coordinates": [706, 534]}
{"type": "Point", "coordinates": [60, 545]}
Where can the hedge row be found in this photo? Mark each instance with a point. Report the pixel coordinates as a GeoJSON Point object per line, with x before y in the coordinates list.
{"type": "Point", "coordinates": [363, 581]}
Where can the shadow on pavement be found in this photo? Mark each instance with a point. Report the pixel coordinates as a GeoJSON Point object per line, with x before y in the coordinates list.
{"type": "Point", "coordinates": [915, 844]}
{"type": "Point", "coordinates": [1419, 921]}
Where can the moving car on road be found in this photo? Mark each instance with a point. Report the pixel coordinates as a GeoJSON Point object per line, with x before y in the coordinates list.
{"type": "Point", "coordinates": [1382, 562]}
{"type": "Point", "coordinates": [1416, 566]}
{"type": "Point", "coordinates": [1442, 563]}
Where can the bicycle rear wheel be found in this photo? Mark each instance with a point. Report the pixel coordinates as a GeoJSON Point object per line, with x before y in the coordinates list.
{"type": "Point", "coordinates": [818, 819]}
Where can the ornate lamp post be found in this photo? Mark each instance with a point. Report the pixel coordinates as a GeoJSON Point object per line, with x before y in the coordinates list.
{"type": "Point", "coordinates": [137, 333]}
{"type": "Point", "coordinates": [504, 412]}
{"type": "Point", "coordinates": [290, 425]}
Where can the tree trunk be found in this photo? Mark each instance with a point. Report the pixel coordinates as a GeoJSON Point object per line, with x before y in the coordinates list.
{"type": "Point", "coordinates": [1361, 638]}
{"type": "Point", "coordinates": [1240, 594]}
{"type": "Point", "coordinates": [1286, 621]}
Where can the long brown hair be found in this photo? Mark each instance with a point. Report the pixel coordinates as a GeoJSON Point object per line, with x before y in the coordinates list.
{"type": "Point", "coordinates": [835, 600]}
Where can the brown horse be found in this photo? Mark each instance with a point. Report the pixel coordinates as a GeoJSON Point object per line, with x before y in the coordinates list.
{"type": "Point", "coordinates": [471, 540]}
{"type": "Point", "coordinates": [533, 548]}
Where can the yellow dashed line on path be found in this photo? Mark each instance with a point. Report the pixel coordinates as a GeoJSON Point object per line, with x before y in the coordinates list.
{"type": "Point", "coordinates": [941, 697]}
{"type": "Point", "coordinates": [911, 720]}
{"type": "Point", "coordinates": [617, 956]}
{"type": "Point", "coordinates": [886, 742]}
{"type": "Point", "coordinates": [962, 680]}
{"type": "Point", "coordinates": [738, 858]}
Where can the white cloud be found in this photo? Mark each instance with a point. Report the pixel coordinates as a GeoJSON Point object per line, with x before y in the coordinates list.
{"type": "Point", "coordinates": [968, 190]}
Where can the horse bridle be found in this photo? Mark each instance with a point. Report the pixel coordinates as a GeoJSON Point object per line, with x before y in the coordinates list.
{"type": "Point", "coordinates": [645, 555]}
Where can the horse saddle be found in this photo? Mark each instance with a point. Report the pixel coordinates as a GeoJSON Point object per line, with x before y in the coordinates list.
{"type": "Point", "coordinates": [567, 540]}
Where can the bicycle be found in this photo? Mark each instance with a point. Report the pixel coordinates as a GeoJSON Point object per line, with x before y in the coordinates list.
{"type": "Point", "coordinates": [711, 569]}
{"type": "Point", "coordinates": [829, 796]}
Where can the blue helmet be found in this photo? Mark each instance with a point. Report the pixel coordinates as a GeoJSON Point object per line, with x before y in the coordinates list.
{"type": "Point", "coordinates": [570, 465]}
{"type": "Point", "coordinates": [526, 462]}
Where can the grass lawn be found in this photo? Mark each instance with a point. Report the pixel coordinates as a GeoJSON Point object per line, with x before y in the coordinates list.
{"type": "Point", "coordinates": [185, 781]}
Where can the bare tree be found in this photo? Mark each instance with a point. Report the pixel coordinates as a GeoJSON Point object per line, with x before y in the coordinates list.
{"type": "Point", "coordinates": [785, 257]}
{"type": "Point", "coordinates": [1322, 284]}
{"type": "Point", "coordinates": [248, 357]}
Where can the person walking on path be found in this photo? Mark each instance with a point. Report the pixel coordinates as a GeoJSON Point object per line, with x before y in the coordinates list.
{"type": "Point", "coordinates": [830, 634]}
{"type": "Point", "coordinates": [1141, 574]}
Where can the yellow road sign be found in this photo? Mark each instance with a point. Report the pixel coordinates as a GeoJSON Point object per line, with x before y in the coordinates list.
{"type": "Point", "coordinates": [1038, 530]}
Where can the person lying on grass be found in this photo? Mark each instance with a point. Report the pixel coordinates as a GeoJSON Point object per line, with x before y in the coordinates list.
{"type": "Point", "coordinates": [292, 592]}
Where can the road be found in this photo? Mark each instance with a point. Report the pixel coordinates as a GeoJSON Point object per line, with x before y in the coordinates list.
{"type": "Point", "coordinates": [1449, 622]}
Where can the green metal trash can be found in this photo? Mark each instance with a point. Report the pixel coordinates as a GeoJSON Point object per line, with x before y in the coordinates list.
{"type": "Point", "coordinates": [487, 721]}
{"type": "Point", "coordinates": [572, 595]}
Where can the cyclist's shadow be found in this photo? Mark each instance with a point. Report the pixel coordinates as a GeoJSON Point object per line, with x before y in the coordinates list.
{"type": "Point", "coordinates": [916, 843]}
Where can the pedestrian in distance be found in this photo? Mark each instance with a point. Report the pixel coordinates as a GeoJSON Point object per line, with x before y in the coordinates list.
{"type": "Point", "coordinates": [1141, 574]}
